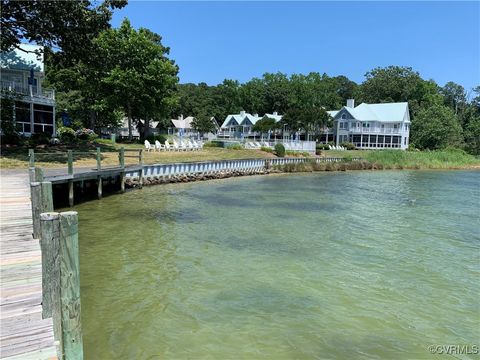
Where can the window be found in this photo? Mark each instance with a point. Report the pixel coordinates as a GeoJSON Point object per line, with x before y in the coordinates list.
{"type": "Point", "coordinates": [344, 116]}
{"type": "Point", "coordinates": [341, 125]}
{"type": "Point", "coordinates": [395, 126]}
{"type": "Point", "coordinates": [366, 125]}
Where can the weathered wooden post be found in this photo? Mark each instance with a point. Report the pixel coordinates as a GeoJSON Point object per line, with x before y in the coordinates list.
{"type": "Point", "coordinates": [36, 197]}
{"type": "Point", "coordinates": [47, 196]}
{"type": "Point", "coordinates": [70, 193]}
{"type": "Point", "coordinates": [39, 174]}
{"type": "Point", "coordinates": [121, 160]}
{"type": "Point", "coordinates": [51, 293]}
{"type": "Point", "coordinates": [99, 159]}
{"type": "Point", "coordinates": [31, 165]}
{"type": "Point", "coordinates": [140, 172]}
{"type": "Point", "coordinates": [70, 162]}
{"type": "Point", "coordinates": [72, 339]}
{"type": "Point", "coordinates": [31, 158]}
{"type": "Point", "coordinates": [99, 187]}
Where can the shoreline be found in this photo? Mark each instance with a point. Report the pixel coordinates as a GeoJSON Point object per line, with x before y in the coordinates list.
{"type": "Point", "coordinates": [306, 167]}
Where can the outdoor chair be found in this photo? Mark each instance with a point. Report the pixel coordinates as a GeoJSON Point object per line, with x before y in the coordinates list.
{"type": "Point", "coordinates": [168, 147]}
{"type": "Point", "coordinates": [158, 146]}
{"type": "Point", "coordinates": [149, 146]}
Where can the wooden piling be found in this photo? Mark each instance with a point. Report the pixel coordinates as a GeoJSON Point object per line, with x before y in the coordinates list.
{"type": "Point", "coordinates": [99, 159]}
{"type": "Point", "coordinates": [38, 174]}
{"type": "Point", "coordinates": [47, 197]}
{"type": "Point", "coordinates": [70, 193]}
{"type": "Point", "coordinates": [122, 181]}
{"type": "Point", "coordinates": [50, 245]}
{"type": "Point", "coordinates": [70, 162]}
{"type": "Point", "coordinates": [31, 174]}
{"type": "Point", "coordinates": [72, 338]}
{"type": "Point", "coordinates": [31, 158]}
{"type": "Point", "coordinates": [121, 157]}
{"type": "Point", "coordinates": [36, 198]}
{"type": "Point", "coordinates": [99, 187]}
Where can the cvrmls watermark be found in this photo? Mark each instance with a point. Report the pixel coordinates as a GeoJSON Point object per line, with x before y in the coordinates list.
{"type": "Point", "coordinates": [454, 349]}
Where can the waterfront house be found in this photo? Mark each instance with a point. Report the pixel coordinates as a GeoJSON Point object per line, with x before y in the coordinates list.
{"type": "Point", "coordinates": [240, 125]}
{"type": "Point", "coordinates": [22, 75]}
{"type": "Point", "coordinates": [183, 126]}
{"type": "Point", "coordinates": [372, 126]}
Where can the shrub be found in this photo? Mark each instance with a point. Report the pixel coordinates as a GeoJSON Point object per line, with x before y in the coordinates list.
{"type": "Point", "coordinates": [280, 150]}
{"type": "Point", "coordinates": [320, 147]}
{"type": "Point", "coordinates": [266, 149]}
{"type": "Point", "coordinates": [235, 147]}
{"type": "Point", "coordinates": [210, 144]}
{"type": "Point", "coordinates": [12, 138]}
{"type": "Point", "coordinates": [348, 146]}
{"type": "Point", "coordinates": [85, 134]}
{"type": "Point", "coordinates": [157, 137]}
{"type": "Point", "coordinates": [66, 135]}
{"type": "Point", "coordinates": [39, 139]}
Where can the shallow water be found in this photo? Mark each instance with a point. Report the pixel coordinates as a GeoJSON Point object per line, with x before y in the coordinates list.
{"type": "Point", "coordinates": [364, 265]}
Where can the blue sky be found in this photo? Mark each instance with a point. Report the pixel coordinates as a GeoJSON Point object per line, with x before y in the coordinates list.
{"type": "Point", "coordinates": [211, 41]}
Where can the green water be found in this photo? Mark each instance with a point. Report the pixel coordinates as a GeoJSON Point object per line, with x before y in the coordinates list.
{"type": "Point", "coordinates": [357, 265]}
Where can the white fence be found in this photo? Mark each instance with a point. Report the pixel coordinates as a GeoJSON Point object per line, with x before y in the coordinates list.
{"type": "Point", "coordinates": [303, 146]}
{"type": "Point", "coordinates": [213, 167]}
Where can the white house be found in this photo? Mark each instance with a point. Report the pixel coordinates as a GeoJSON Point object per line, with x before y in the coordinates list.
{"type": "Point", "coordinates": [240, 125]}
{"type": "Point", "coordinates": [183, 126]}
{"type": "Point", "coordinates": [372, 126]}
{"type": "Point", "coordinates": [22, 73]}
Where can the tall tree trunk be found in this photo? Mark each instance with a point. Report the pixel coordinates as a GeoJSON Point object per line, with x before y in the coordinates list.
{"type": "Point", "coordinates": [93, 119]}
{"type": "Point", "coordinates": [146, 128]}
{"type": "Point", "coordinates": [129, 115]}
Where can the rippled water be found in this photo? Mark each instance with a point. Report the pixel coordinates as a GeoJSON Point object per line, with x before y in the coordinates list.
{"type": "Point", "coordinates": [364, 265]}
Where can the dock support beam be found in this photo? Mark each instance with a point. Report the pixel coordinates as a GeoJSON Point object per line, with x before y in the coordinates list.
{"type": "Point", "coordinates": [36, 197]}
{"type": "Point", "coordinates": [99, 188]}
{"type": "Point", "coordinates": [70, 193]}
{"type": "Point", "coordinates": [72, 338]}
{"type": "Point", "coordinates": [50, 245]}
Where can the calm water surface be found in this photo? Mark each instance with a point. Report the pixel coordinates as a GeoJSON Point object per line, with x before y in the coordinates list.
{"type": "Point", "coordinates": [360, 265]}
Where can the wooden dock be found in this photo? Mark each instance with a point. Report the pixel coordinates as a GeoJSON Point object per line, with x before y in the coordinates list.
{"type": "Point", "coordinates": [23, 332]}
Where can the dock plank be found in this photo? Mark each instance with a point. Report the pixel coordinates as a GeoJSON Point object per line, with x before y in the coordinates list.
{"type": "Point", "coordinates": [23, 332]}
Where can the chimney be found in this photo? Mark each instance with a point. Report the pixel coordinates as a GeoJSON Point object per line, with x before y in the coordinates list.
{"type": "Point", "coordinates": [255, 115]}
{"type": "Point", "coordinates": [242, 113]}
{"type": "Point", "coordinates": [180, 117]}
{"type": "Point", "coordinates": [351, 103]}
{"type": "Point", "coordinates": [275, 113]}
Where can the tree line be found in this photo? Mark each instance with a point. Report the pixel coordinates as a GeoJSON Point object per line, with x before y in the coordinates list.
{"type": "Point", "coordinates": [103, 74]}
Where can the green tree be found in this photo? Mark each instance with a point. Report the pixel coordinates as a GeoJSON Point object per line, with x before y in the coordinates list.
{"type": "Point", "coordinates": [310, 119]}
{"type": "Point", "coordinates": [136, 77]}
{"type": "Point", "coordinates": [436, 127]}
{"type": "Point", "coordinates": [265, 125]}
{"type": "Point", "coordinates": [65, 25]}
{"type": "Point", "coordinates": [204, 124]}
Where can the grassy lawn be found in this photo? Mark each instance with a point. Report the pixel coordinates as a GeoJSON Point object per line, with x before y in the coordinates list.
{"type": "Point", "coordinates": [84, 156]}
{"type": "Point", "coordinates": [55, 156]}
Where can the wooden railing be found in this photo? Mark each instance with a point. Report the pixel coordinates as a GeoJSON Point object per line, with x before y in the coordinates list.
{"type": "Point", "coordinates": [70, 155]}
{"type": "Point", "coordinates": [58, 235]}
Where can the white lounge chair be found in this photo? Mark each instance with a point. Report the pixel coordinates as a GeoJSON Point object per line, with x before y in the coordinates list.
{"type": "Point", "coordinates": [190, 145]}
{"type": "Point", "coordinates": [258, 145]}
{"type": "Point", "coordinates": [158, 146]}
{"type": "Point", "coordinates": [148, 146]}
{"type": "Point", "coordinates": [168, 147]}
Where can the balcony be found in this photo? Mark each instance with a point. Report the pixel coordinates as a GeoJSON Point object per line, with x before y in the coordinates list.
{"type": "Point", "coordinates": [375, 130]}
{"type": "Point", "coordinates": [33, 92]}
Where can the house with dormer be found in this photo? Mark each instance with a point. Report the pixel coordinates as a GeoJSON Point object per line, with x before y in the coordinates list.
{"type": "Point", "coordinates": [372, 126]}
{"type": "Point", "coordinates": [240, 125]}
